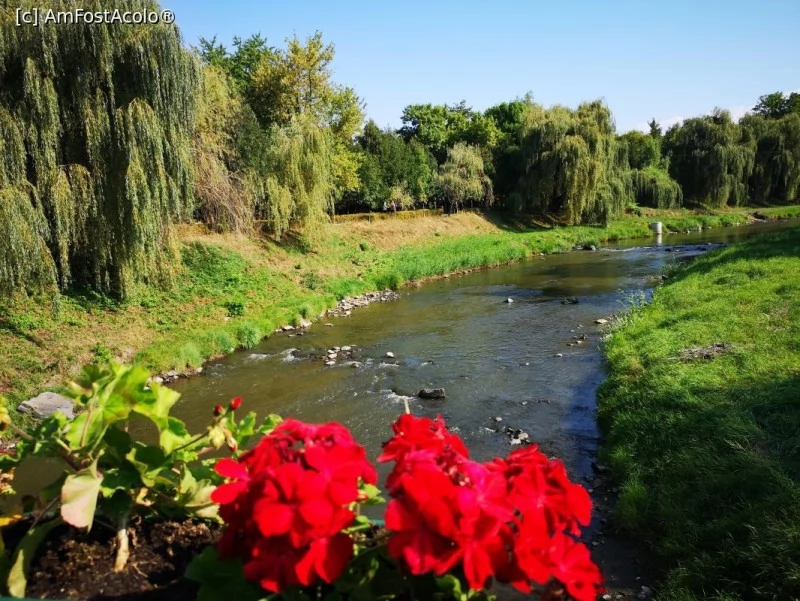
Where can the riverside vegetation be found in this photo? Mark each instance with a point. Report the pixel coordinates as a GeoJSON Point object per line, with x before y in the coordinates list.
{"type": "Point", "coordinates": [235, 290]}
{"type": "Point", "coordinates": [701, 420]}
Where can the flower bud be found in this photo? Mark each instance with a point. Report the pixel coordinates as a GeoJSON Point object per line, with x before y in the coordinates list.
{"type": "Point", "coordinates": [236, 403]}
{"type": "Point", "coordinates": [218, 410]}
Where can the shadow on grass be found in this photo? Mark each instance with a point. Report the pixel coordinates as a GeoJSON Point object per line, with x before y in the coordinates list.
{"type": "Point", "coordinates": [711, 478]}
{"type": "Point", "coordinates": [783, 243]}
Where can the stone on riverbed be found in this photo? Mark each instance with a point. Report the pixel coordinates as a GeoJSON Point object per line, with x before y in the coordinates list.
{"type": "Point", "coordinates": [601, 321]}
{"type": "Point", "coordinates": [390, 355]}
{"type": "Point", "coordinates": [47, 404]}
{"type": "Point", "coordinates": [509, 300]}
{"type": "Point", "coordinates": [431, 393]}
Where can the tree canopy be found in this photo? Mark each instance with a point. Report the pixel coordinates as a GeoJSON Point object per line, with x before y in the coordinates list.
{"type": "Point", "coordinates": [95, 143]}
{"type": "Point", "coordinates": [573, 164]}
{"type": "Point", "coordinates": [110, 134]}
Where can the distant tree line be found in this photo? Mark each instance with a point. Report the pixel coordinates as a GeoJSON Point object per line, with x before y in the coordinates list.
{"type": "Point", "coordinates": [110, 134]}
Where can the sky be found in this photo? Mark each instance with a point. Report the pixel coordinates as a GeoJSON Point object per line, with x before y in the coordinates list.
{"type": "Point", "coordinates": [667, 60]}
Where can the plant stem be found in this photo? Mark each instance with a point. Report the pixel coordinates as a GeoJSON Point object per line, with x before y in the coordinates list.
{"type": "Point", "coordinates": [194, 440]}
{"type": "Point", "coordinates": [21, 433]}
{"type": "Point", "coordinates": [122, 544]}
{"type": "Point", "coordinates": [86, 426]}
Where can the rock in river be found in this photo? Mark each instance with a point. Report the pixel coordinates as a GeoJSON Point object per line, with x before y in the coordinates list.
{"type": "Point", "coordinates": [601, 321]}
{"type": "Point", "coordinates": [509, 300]}
{"type": "Point", "coordinates": [46, 404]}
{"type": "Point", "coordinates": [431, 393]}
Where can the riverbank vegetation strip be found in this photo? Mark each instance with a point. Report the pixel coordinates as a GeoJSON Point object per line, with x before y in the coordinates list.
{"type": "Point", "coordinates": [233, 290]}
{"type": "Point", "coordinates": [701, 420]}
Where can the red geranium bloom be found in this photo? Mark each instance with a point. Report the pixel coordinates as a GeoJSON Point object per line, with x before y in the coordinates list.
{"type": "Point", "coordinates": [288, 503]}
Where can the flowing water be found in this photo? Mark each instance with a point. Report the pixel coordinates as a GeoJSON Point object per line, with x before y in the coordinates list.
{"type": "Point", "coordinates": [494, 359]}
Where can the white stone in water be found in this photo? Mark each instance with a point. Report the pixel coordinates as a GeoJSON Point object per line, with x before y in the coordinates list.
{"type": "Point", "coordinates": [601, 321]}
{"type": "Point", "coordinates": [347, 349]}
{"type": "Point", "coordinates": [559, 354]}
{"type": "Point", "coordinates": [498, 419]}
{"type": "Point", "coordinates": [509, 300]}
{"type": "Point", "coordinates": [330, 363]}
{"type": "Point", "coordinates": [390, 355]}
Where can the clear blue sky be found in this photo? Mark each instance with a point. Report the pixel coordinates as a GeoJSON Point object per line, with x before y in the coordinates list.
{"type": "Point", "coordinates": [669, 60]}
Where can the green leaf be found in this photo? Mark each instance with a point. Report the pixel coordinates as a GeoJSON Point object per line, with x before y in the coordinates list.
{"type": "Point", "coordinates": [149, 461]}
{"type": "Point", "coordinates": [23, 555]}
{"type": "Point", "coordinates": [195, 495]}
{"type": "Point", "coordinates": [373, 494]}
{"type": "Point", "coordinates": [117, 444]}
{"type": "Point", "coordinates": [174, 435]}
{"type": "Point", "coordinates": [124, 478]}
{"type": "Point", "coordinates": [156, 404]}
{"type": "Point", "coordinates": [79, 497]}
{"type": "Point", "coordinates": [220, 579]}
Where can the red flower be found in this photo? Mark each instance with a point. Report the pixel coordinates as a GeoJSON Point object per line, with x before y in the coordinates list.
{"type": "Point", "coordinates": [504, 519]}
{"type": "Point", "coordinates": [236, 403]}
{"type": "Point", "coordinates": [218, 410]}
{"type": "Point", "coordinates": [288, 503]}
{"type": "Point", "coordinates": [574, 567]}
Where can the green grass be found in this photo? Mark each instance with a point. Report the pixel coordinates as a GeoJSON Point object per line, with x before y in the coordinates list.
{"type": "Point", "coordinates": [230, 292]}
{"type": "Point", "coordinates": [707, 451]}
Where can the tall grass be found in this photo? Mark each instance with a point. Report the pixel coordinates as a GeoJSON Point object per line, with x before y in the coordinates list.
{"type": "Point", "coordinates": [707, 451]}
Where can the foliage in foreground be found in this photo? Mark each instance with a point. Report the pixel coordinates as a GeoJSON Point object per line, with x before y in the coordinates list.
{"type": "Point", "coordinates": [292, 502]}
{"type": "Point", "coordinates": [108, 475]}
{"type": "Point", "coordinates": [706, 449]}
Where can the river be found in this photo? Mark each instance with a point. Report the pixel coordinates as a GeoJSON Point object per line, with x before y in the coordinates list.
{"type": "Point", "coordinates": [494, 359]}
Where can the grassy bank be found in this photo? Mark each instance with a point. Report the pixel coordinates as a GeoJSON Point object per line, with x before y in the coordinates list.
{"type": "Point", "coordinates": [707, 448]}
{"type": "Point", "coordinates": [232, 291]}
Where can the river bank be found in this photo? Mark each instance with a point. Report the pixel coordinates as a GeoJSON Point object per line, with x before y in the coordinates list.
{"type": "Point", "coordinates": [234, 291]}
{"type": "Point", "coordinates": [701, 420]}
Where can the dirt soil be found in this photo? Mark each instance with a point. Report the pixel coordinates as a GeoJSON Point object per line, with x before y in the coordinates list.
{"type": "Point", "coordinates": [77, 565]}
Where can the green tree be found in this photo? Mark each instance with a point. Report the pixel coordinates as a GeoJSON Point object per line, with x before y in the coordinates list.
{"type": "Point", "coordinates": [777, 105]}
{"type": "Point", "coordinates": [462, 179]}
{"type": "Point", "coordinates": [94, 163]}
{"type": "Point", "coordinates": [711, 159]}
{"type": "Point", "coordinates": [643, 150]}
{"type": "Point", "coordinates": [440, 127]}
{"type": "Point", "coordinates": [509, 118]}
{"type": "Point", "coordinates": [227, 187]}
{"type": "Point", "coordinates": [776, 165]}
{"type": "Point", "coordinates": [298, 187]}
{"type": "Point", "coordinates": [573, 164]}
{"type": "Point", "coordinates": [239, 64]}
{"type": "Point", "coordinates": [387, 162]}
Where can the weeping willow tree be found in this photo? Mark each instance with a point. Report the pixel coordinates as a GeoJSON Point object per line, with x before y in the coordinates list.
{"type": "Point", "coordinates": [297, 187]}
{"type": "Point", "coordinates": [226, 189]}
{"type": "Point", "coordinates": [462, 178]}
{"type": "Point", "coordinates": [776, 164]}
{"type": "Point", "coordinates": [95, 150]}
{"type": "Point", "coordinates": [711, 159]}
{"type": "Point", "coordinates": [573, 164]}
{"type": "Point", "coordinates": [653, 187]}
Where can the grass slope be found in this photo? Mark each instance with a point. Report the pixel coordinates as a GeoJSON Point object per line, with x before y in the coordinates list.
{"type": "Point", "coordinates": [708, 450]}
{"type": "Point", "coordinates": [232, 291]}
